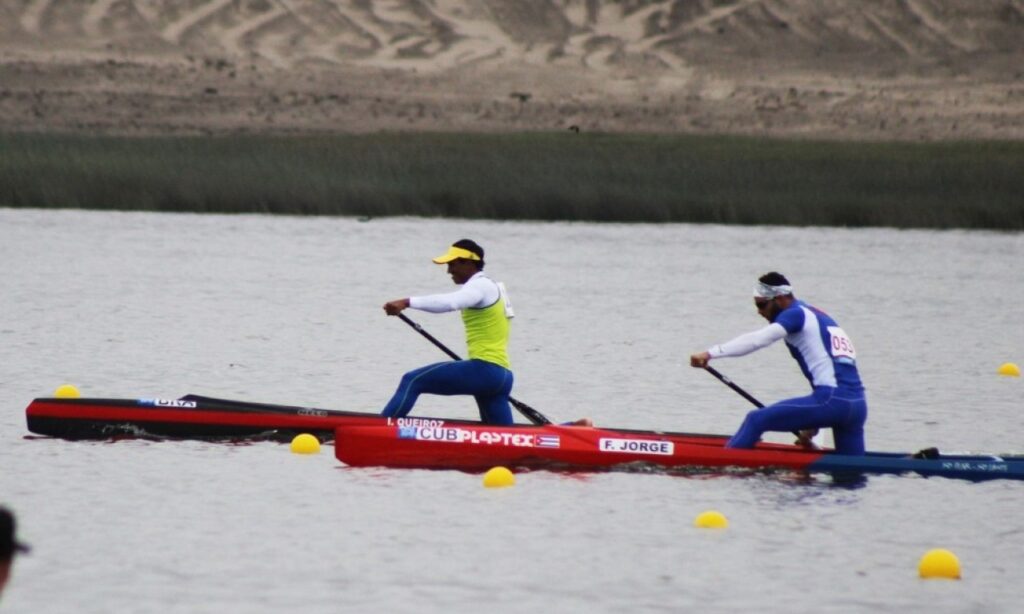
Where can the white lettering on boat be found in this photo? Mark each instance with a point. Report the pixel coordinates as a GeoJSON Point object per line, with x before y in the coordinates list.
{"type": "Point", "coordinates": [636, 446]}
{"type": "Point", "coordinates": [415, 422]}
{"type": "Point", "coordinates": [460, 435]}
{"type": "Point", "coordinates": [305, 411]}
{"type": "Point", "coordinates": [167, 403]}
{"type": "Point", "coordinates": [975, 466]}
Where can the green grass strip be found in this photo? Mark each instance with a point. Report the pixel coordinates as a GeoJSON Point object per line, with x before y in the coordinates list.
{"type": "Point", "coordinates": [529, 176]}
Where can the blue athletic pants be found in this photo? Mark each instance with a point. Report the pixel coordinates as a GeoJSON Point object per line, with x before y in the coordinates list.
{"type": "Point", "coordinates": [488, 383]}
{"type": "Point", "coordinates": [841, 410]}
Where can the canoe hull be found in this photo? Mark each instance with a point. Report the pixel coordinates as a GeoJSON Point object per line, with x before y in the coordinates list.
{"type": "Point", "coordinates": [477, 447]}
{"type": "Point", "coordinates": [480, 447]}
{"type": "Point", "coordinates": [365, 439]}
{"type": "Point", "coordinates": [189, 417]}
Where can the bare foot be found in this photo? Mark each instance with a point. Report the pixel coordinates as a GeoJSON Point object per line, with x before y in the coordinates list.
{"type": "Point", "coordinates": [806, 442]}
{"type": "Point", "coordinates": [579, 422]}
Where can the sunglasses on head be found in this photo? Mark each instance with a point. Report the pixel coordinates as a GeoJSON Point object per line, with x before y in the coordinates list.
{"type": "Point", "coordinates": [762, 303]}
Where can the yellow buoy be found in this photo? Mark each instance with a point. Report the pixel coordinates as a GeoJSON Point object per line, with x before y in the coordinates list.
{"type": "Point", "coordinates": [711, 519]}
{"type": "Point", "coordinates": [66, 391]}
{"type": "Point", "coordinates": [499, 477]}
{"type": "Point", "coordinates": [939, 563]}
{"type": "Point", "coordinates": [1009, 369]}
{"type": "Point", "coordinates": [305, 444]}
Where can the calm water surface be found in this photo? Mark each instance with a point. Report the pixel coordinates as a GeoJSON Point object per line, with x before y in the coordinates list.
{"type": "Point", "coordinates": [288, 310]}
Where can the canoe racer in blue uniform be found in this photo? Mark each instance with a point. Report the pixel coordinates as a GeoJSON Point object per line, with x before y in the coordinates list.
{"type": "Point", "coordinates": [828, 361]}
{"type": "Point", "coordinates": [486, 312]}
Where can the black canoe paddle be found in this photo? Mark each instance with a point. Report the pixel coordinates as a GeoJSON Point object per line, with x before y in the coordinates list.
{"type": "Point", "coordinates": [532, 414]}
{"type": "Point", "coordinates": [743, 393]}
{"type": "Point", "coordinates": [728, 382]}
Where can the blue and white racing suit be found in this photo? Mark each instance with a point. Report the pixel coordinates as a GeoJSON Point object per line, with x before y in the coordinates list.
{"type": "Point", "coordinates": [828, 361]}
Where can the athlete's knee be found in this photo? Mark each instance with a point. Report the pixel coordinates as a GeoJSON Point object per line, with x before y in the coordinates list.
{"type": "Point", "coordinates": [413, 380]}
{"type": "Point", "coordinates": [407, 378]}
{"type": "Point", "coordinates": [756, 419]}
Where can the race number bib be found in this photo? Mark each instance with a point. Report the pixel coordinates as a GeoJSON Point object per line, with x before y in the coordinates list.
{"type": "Point", "coordinates": [841, 345]}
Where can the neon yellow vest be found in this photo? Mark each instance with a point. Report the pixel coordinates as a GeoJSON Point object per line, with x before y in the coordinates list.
{"type": "Point", "coordinates": [487, 333]}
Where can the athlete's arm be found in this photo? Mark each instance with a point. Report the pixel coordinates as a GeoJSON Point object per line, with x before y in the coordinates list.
{"type": "Point", "coordinates": [478, 292]}
{"type": "Point", "coordinates": [750, 342]}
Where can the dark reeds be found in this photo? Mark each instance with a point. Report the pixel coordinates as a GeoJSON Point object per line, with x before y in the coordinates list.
{"type": "Point", "coordinates": [534, 176]}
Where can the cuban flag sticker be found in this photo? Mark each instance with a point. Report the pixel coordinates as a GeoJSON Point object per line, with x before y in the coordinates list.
{"type": "Point", "coordinates": [549, 441]}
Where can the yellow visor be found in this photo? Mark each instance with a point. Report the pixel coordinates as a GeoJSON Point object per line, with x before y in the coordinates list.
{"type": "Point", "coordinates": [455, 253]}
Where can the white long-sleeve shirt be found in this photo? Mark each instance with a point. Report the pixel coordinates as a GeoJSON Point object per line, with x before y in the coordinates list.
{"type": "Point", "coordinates": [479, 291]}
{"type": "Point", "coordinates": [749, 342]}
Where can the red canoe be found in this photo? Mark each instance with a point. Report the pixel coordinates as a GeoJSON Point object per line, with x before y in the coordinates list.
{"type": "Point", "coordinates": [433, 444]}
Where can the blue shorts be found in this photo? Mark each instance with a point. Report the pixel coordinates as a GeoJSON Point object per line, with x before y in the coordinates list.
{"type": "Point", "coordinates": [488, 383]}
{"type": "Point", "coordinates": [843, 411]}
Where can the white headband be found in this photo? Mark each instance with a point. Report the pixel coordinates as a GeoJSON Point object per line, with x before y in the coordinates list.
{"type": "Point", "coordinates": [763, 290]}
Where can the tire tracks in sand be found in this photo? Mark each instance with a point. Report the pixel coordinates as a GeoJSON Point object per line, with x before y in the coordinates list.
{"type": "Point", "coordinates": [175, 31]}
